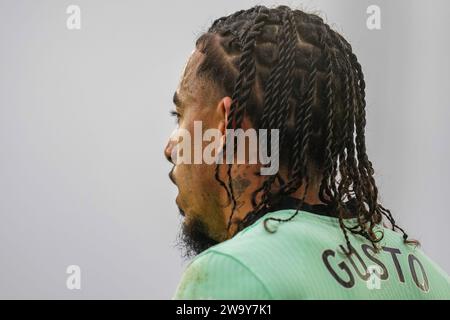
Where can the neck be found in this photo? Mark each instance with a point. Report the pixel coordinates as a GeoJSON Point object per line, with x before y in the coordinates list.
{"type": "Point", "coordinates": [243, 190]}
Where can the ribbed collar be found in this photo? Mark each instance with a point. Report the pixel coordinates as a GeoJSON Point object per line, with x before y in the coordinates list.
{"type": "Point", "coordinates": [320, 209]}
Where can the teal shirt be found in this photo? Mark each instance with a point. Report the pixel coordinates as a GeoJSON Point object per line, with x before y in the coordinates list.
{"type": "Point", "coordinates": [304, 259]}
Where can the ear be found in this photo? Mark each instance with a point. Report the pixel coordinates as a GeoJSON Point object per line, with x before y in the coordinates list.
{"type": "Point", "coordinates": [223, 109]}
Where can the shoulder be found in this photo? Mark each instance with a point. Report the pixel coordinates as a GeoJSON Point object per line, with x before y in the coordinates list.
{"type": "Point", "coordinates": [255, 241]}
{"type": "Point", "coordinates": [217, 275]}
{"type": "Point", "coordinates": [242, 267]}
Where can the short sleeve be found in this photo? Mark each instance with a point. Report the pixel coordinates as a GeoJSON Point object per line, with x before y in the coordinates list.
{"type": "Point", "coordinates": [215, 275]}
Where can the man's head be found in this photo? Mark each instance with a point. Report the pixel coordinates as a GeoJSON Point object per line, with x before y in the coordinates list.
{"type": "Point", "coordinates": [273, 69]}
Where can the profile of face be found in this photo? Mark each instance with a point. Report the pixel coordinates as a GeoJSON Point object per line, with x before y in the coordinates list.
{"type": "Point", "coordinates": [201, 199]}
{"type": "Point", "coordinates": [203, 202]}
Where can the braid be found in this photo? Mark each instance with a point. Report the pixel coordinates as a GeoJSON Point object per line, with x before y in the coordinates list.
{"type": "Point", "coordinates": [247, 69]}
{"type": "Point", "coordinates": [303, 133]}
{"type": "Point", "coordinates": [326, 186]}
{"type": "Point", "coordinates": [287, 70]}
{"type": "Point", "coordinates": [242, 90]}
{"type": "Point", "coordinates": [286, 92]}
{"type": "Point", "coordinates": [347, 165]}
{"type": "Point", "coordinates": [277, 92]}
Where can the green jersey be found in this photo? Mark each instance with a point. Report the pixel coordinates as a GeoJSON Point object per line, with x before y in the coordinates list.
{"type": "Point", "coordinates": [305, 259]}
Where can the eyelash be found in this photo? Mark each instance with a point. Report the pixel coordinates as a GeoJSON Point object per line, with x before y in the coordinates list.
{"type": "Point", "coordinates": [175, 114]}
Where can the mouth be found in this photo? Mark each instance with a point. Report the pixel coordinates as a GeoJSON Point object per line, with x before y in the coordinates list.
{"type": "Point", "coordinates": [172, 178]}
{"type": "Point", "coordinates": [181, 211]}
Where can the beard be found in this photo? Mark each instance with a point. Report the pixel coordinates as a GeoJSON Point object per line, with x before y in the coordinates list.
{"type": "Point", "coordinates": [194, 238]}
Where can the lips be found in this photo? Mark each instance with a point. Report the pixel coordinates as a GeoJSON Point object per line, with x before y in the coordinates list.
{"type": "Point", "coordinates": [181, 212]}
{"type": "Point", "coordinates": [171, 177]}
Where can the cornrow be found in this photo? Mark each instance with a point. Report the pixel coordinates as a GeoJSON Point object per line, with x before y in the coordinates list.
{"type": "Point", "coordinates": [247, 71]}
{"type": "Point", "coordinates": [287, 70]}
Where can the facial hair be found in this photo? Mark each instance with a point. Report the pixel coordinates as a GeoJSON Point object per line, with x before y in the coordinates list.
{"type": "Point", "coordinates": [194, 238]}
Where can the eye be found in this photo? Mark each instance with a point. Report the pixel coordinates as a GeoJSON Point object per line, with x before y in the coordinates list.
{"type": "Point", "coordinates": [175, 114]}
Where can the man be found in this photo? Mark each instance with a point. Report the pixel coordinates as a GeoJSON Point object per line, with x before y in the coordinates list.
{"type": "Point", "coordinates": [314, 229]}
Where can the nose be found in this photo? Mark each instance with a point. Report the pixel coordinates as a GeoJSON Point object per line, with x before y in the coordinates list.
{"type": "Point", "coordinates": [170, 151]}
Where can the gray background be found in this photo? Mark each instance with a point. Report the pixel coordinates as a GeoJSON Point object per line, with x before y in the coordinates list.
{"type": "Point", "coordinates": [84, 119]}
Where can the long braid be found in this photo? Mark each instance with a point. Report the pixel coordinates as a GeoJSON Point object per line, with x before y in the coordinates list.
{"type": "Point", "coordinates": [286, 92]}
{"type": "Point", "coordinates": [275, 103]}
{"type": "Point", "coordinates": [347, 168]}
{"type": "Point", "coordinates": [287, 70]}
{"type": "Point", "coordinates": [326, 187]}
{"type": "Point", "coordinates": [302, 132]}
{"type": "Point", "coordinates": [242, 90]}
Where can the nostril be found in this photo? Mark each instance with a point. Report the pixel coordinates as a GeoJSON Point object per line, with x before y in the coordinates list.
{"type": "Point", "coordinates": [168, 153]}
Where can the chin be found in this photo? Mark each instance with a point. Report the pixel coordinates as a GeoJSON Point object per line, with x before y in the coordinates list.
{"type": "Point", "coordinates": [194, 237]}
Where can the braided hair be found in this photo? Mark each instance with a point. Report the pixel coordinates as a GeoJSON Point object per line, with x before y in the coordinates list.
{"type": "Point", "coordinates": [288, 70]}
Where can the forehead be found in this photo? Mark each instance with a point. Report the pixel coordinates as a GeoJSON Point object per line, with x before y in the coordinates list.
{"type": "Point", "coordinates": [189, 84]}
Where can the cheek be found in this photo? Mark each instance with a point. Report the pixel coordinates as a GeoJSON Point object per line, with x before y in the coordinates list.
{"type": "Point", "coordinates": [204, 174]}
{"type": "Point", "coordinates": [200, 185]}
{"type": "Point", "coordinates": [197, 182]}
